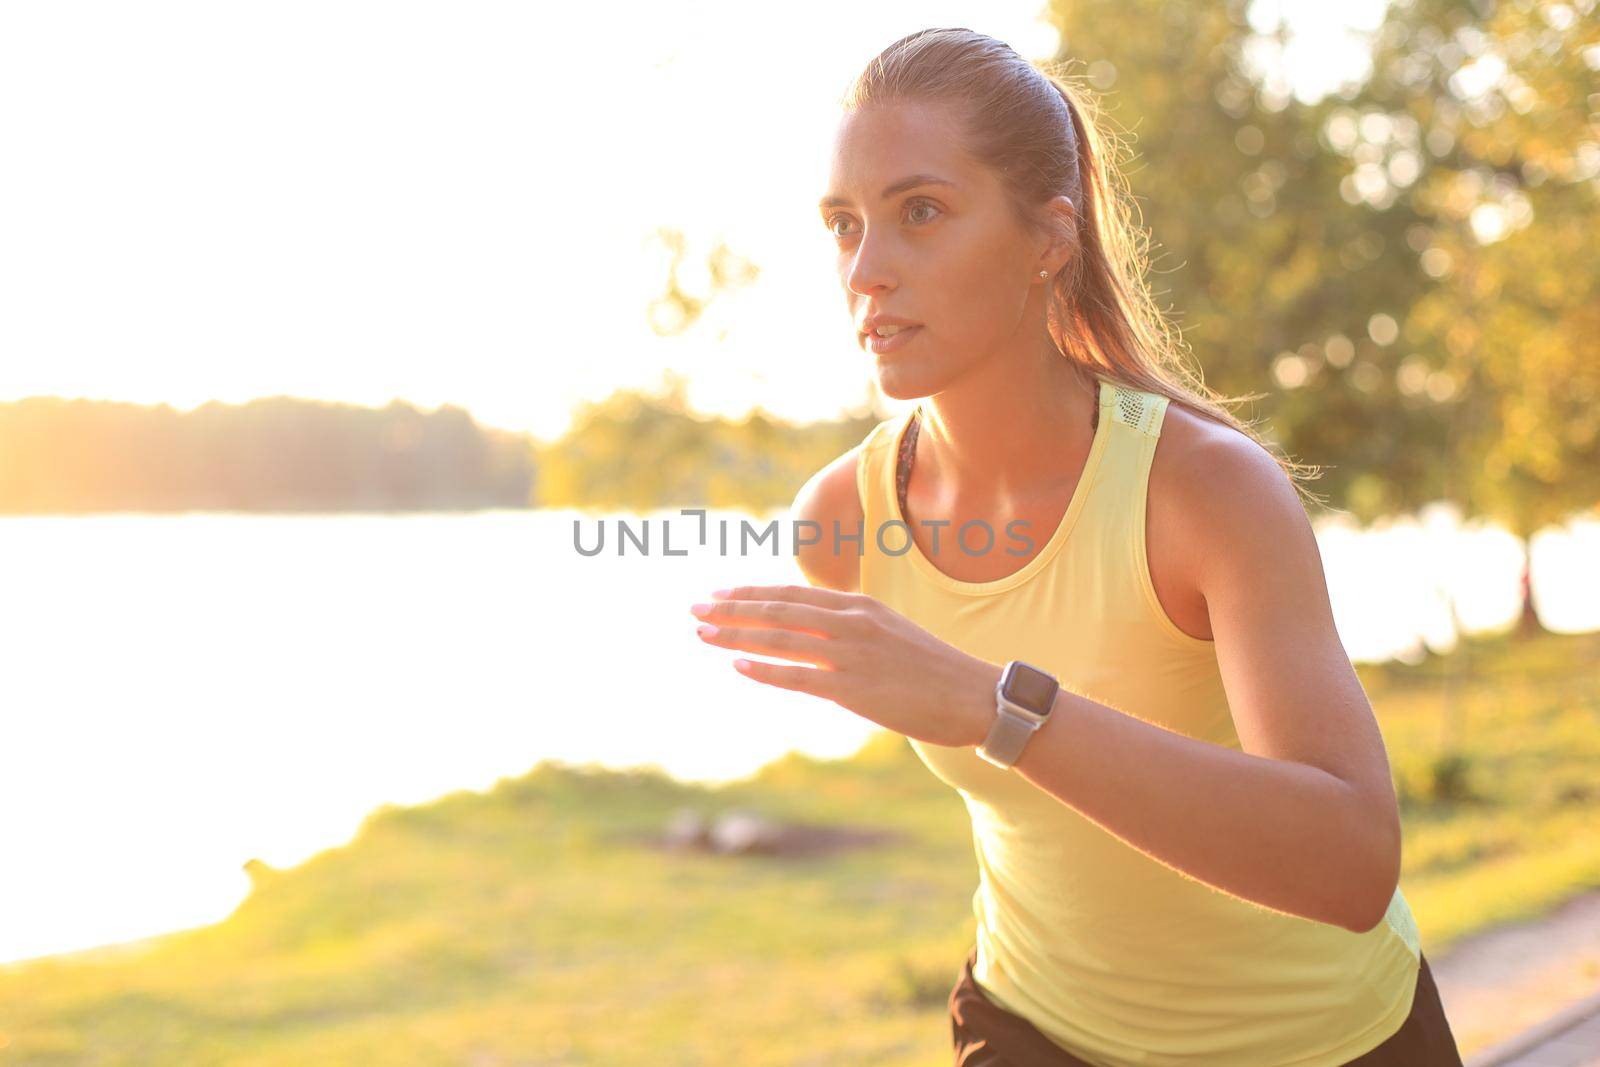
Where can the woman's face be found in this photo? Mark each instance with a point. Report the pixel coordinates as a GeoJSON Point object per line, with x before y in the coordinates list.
{"type": "Point", "coordinates": [926, 235]}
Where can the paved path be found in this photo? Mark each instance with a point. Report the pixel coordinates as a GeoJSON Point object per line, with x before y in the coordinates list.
{"type": "Point", "coordinates": [1528, 994]}
{"type": "Point", "coordinates": [1569, 1039]}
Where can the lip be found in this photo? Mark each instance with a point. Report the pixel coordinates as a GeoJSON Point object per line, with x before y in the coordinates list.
{"type": "Point", "coordinates": [873, 321]}
{"type": "Point", "coordinates": [884, 345]}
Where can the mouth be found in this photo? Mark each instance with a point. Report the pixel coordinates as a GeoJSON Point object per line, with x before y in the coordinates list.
{"type": "Point", "coordinates": [880, 345]}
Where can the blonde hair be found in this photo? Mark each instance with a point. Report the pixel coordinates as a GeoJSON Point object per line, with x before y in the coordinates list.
{"type": "Point", "coordinates": [1039, 130]}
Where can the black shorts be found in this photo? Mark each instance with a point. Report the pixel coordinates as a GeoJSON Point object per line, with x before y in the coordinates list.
{"type": "Point", "coordinates": [986, 1035]}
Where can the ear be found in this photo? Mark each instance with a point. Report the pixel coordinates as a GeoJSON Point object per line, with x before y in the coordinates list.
{"type": "Point", "coordinates": [1061, 234]}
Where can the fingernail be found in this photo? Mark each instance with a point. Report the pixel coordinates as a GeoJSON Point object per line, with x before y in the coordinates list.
{"type": "Point", "coordinates": [721, 594]}
{"type": "Point", "coordinates": [700, 609]}
{"type": "Point", "coordinates": [706, 631]}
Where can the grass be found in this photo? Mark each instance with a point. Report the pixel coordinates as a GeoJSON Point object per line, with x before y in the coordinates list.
{"type": "Point", "coordinates": [1496, 757]}
{"type": "Point", "coordinates": [534, 923]}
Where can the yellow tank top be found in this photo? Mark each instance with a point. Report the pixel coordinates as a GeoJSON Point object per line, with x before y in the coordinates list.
{"type": "Point", "coordinates": [1117, 957]}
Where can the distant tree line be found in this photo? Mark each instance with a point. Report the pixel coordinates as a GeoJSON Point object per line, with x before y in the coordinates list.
{"type": "Point", "coordinates": [638, 451]}
{"type": "Point", "coordinates": [635, 450]}
{"type": "Point", "coordinates": [276, 454]}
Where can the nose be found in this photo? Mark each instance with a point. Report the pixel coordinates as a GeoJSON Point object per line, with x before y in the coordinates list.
{"type": "Point", "coordinates": [870, 271]}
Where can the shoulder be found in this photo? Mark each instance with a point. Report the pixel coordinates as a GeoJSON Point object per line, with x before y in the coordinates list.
{"type": "Point", "coordinates": [833, 494]}
{"type": "Point", "coordinates": [1235, 505]}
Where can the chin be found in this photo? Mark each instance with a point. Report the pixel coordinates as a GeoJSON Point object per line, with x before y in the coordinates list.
{"type": "Point", "coordinates": [915, 377]}
{"type": "Point", "coordinates": [900, 386]}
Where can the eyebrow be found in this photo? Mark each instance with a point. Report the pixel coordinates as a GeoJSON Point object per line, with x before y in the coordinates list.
{"type": "Point", "coordinates": [903, 185]}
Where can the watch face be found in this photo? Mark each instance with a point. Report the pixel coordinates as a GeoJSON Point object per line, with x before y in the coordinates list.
{"type": "Point", "coordinates": [1031, 688]}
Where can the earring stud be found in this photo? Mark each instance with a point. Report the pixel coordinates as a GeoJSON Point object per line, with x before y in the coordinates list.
{"type": "Point", "coordinates": [1044, 274]}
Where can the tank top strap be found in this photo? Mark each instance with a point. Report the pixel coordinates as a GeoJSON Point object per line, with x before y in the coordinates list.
{"type": "Point", "coordinates": [1137, 409]}
{"type": "Point", "coordinates": [1136, 418]}
{"type": "Point", "coordinates": [873, 465]}
{"type": "Point", "coordinates": [1119, 527]}
{"type": "Point", "coordinates": [875, 473]}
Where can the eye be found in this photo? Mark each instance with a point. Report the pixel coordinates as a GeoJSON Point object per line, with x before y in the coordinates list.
{"type": "Point", "coordinates": [929, 211]}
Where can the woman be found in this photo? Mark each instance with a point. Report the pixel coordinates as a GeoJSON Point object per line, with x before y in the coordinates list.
{"type": "Point", "coordinates": [1187, 838]}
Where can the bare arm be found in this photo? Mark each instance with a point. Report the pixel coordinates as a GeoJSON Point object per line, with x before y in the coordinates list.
{"type": "Point", "coordinates": [831, 496]}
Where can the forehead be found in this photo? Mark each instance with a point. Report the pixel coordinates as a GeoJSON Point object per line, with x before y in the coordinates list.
{"type": "Point", "coordinates": [885, 142]}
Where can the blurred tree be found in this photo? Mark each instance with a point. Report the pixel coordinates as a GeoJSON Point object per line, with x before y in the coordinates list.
{"type": "Point", "coordinates": [638, 450]}
{"type": "Point", "coordinates": [645, 449]}
{"type": "Point", "coordinates": [1495, 109]}
{"type": "Point", "coordinates": [1274, 277]}
{"type": "Point", "coordinates": [691, 288]}
{"type": "Point", "coordinates": [1408, 261]}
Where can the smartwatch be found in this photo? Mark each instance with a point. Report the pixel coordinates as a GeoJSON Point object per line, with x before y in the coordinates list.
{"type": "Point", "coordinates": [1023, 698]}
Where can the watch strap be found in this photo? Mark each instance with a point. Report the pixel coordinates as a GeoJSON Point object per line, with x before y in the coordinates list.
{"type": "Point", "coordinates": [1008, 736]}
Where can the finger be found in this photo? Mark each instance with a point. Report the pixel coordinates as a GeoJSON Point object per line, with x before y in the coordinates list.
{"type": "Point", "coordinates": [819, 596]}
{"type": "Point", "coordinates": [813, 680]}
{"type": "Point", "coordinates": [772, 613]}
{"type": "Point", "coordinates": [785, 643]}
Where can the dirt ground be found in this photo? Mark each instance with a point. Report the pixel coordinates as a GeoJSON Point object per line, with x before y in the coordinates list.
{"type": "Point", "coordinates": [1503, 981]}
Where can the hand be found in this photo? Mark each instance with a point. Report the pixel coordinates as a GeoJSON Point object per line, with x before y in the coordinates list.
{"type": "Point", "coordinates": [865, 657]}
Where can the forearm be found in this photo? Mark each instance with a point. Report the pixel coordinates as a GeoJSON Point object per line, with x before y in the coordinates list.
{"type": "Point", "coordinates": [1282, 834]}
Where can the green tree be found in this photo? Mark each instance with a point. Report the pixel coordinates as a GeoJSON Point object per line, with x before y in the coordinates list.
{"type": "Point", "coordinates": [1284, 283]}
{"type": "Point", "coordinates": [1496, 107]}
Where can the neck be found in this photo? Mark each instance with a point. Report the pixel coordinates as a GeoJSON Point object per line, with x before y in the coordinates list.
{"type": "Point", "coordinates": [1011, 428]}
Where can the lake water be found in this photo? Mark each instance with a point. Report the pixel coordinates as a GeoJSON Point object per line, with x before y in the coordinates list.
{"type": "Point", "coordinates": [185, 693]}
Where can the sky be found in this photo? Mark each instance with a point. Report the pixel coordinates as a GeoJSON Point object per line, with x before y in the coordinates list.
{"type": "Point", "coordinates": [445, 203]}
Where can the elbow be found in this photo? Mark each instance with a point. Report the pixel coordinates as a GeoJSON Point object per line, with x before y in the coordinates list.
{"type": "Point", "coordinates": [1374, 902]}
{"type": "Point", "coordinates": [1370, 919]}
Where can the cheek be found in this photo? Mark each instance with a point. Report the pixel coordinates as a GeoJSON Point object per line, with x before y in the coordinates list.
{"type": "Point", "coordinates": [979, 299]}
